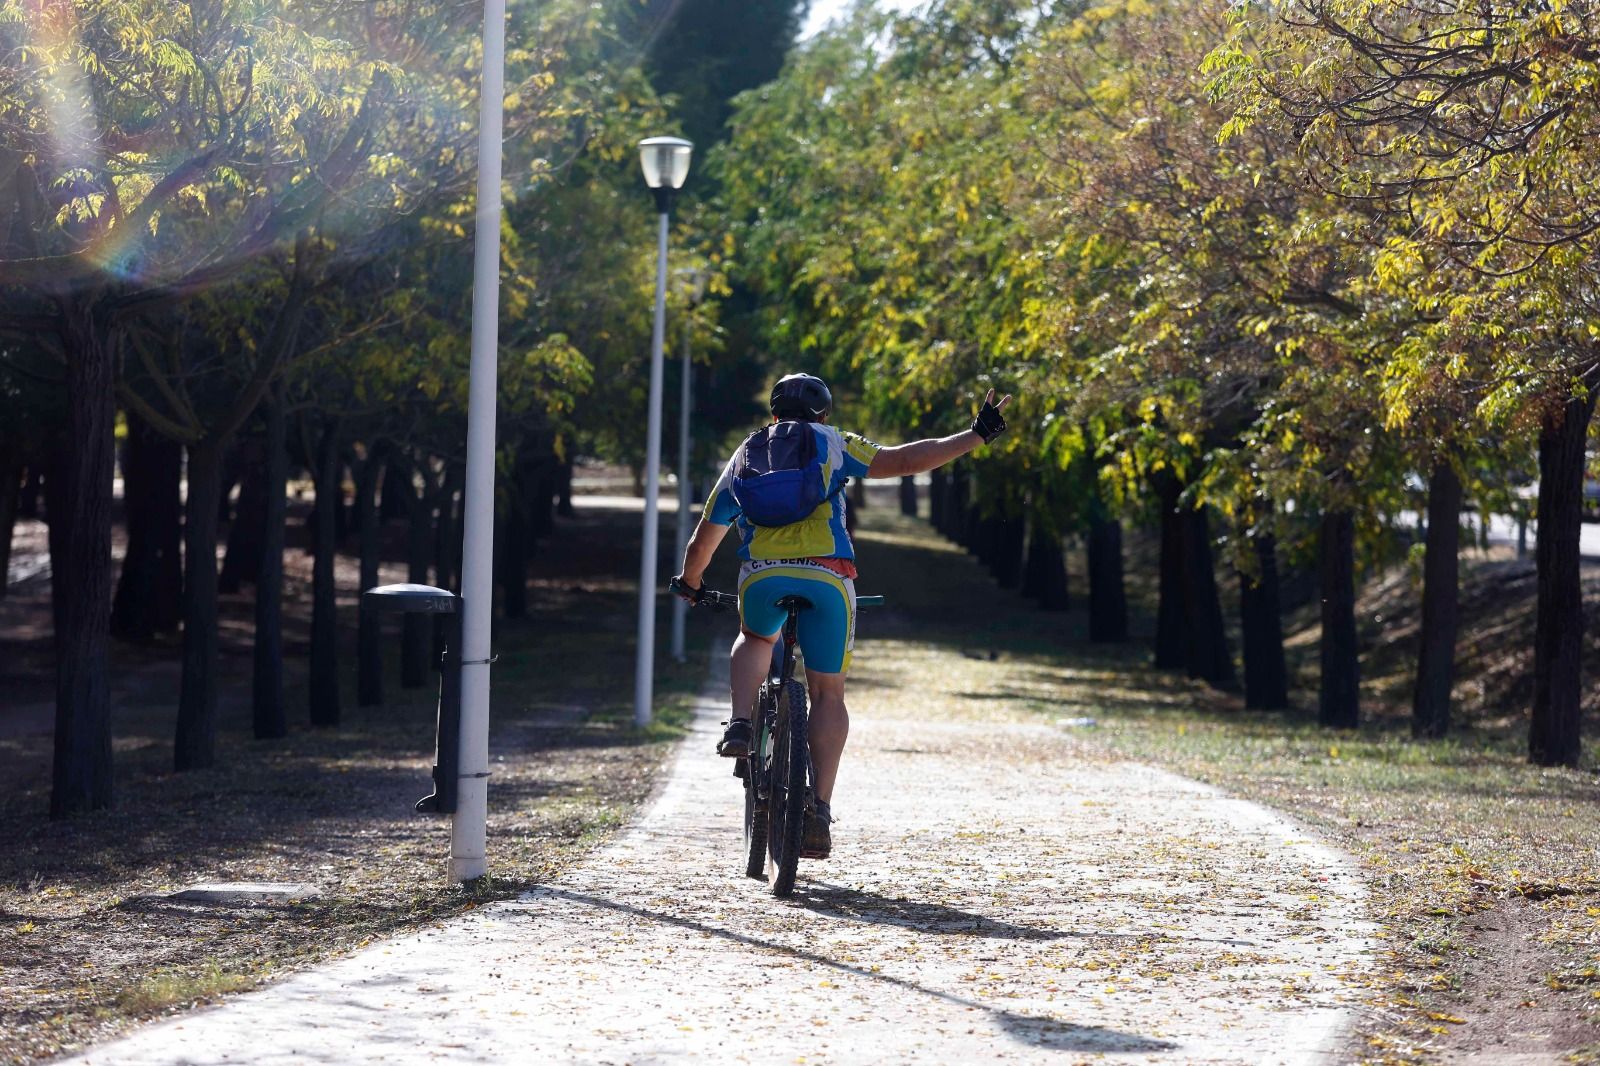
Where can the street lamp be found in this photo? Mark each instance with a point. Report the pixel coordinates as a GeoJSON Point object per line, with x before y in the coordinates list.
{"type": "Point", "coordinates": [665, 161]}
{"type": "Point", "coordinates": [695, 290]}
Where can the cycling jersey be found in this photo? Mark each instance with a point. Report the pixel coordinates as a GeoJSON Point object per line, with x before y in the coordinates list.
{"type": "Point", "coordinates": [821, 536]}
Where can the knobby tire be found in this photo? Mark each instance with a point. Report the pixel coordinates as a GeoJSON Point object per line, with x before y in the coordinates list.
{"type": "Point", "coordinates": [755, 811]}
{"type": "Point", "coordinates": [786, 803]}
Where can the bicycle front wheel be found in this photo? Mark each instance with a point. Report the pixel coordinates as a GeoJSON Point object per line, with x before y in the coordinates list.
{"type": "Point", "coordinates": [786, 804]}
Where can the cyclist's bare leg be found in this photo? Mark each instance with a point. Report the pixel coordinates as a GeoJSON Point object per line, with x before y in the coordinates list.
{"type": "Point", "coordinates": [830, 725]}
{"type": "Point", "coordinates": [748, 665]}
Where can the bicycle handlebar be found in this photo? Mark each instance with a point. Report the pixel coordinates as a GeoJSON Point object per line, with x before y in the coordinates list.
{"type": "Point", "coordinates": [717, 601]}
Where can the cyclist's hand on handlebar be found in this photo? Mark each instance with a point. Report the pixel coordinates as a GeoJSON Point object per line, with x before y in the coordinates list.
{"type": "Point", "coordinates": [990, 424]}
{"type": "Point", "coordinates": [684, 591]}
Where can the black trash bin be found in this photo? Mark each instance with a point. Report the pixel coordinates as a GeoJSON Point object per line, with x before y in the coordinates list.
{"type": "Point", "coordinates": [425, 599]}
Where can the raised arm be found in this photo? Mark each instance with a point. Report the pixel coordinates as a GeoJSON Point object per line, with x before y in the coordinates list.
{"type": "Point", "coordinates": [920, 456]}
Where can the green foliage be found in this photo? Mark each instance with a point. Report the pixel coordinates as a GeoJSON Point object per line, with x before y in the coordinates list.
{"type": "Point", "coordinates": [1095, 206]}
{"type": "Point", "coordinates": [1466, 134]}
{"type": "Point", "coordinates": [703, 53]}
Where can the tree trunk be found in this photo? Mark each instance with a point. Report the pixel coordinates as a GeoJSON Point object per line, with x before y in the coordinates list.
{"type": "Point", "coordinates": [1108, 600]}
{"type": "Point", "coordinates": [1047, 570]}
{"type": "Point", "coordinates": [269, 716]}
{"type": "Point", "coordinates": [1554, 735]}
{"type": "Point", "coordinates": [958, 505]}
{"type": "Point", "coordinates": [396, 489]}
{"type": "Point", "coordinates": [541, 482]}
{"type": "Point", "coordinates": [1206, 653]}
{"type": "Point", "coordinates": [1436, 657]}
{"type": "Point", "coordinates": [344, 513]}
{"type": "Point", "coordinates": [57, 513]}
{"type": "Point", "coordinates": [130, 607]}
{"type": "Point", "coordinates": [10, 490]}
{"type": "Point", "coordinates": [166, 514]}
{"type": "Point", "coordinates": [447, 531]}
{"type": "Point", "coordinates": [1266, 677]}
{"type": "Point", "coordinates": [936, 498]}
{"type": "Point", "coordinates": [369, 632]}
{"type": "Point", "coordinates": [512, 549]}
{"type": "Point", "coordinates": [447, 549]}
{"type": "Point", "coordinates": [564, 490]}
{"type": "Point", "coordinates": [81, 586]}
{"type": "Point", "coordinates": [1339, 701]}
{"type": "Point", "coordinates": [1033, 580]}
{"type": "Point", "coordinates": [908, 496]}
{"type": "Point", "coordinates": [324, 677]}
{"type": "Point", "coordinates": [195, 739]}
{"type": "Point", "coordinates": [1011, 542]}
{"type": "Point", "coordinates": [150, 587]}
{"type": "Point", "coordinates": [32, 486]}
{"type": "Point", "coordinates": [990, 537]}
{"type": "Point", "coordinates": [414, 629]}
{"type": "Point", "coordinates": [1170, 608]}
{"type": "Point", "coordinates": [241, 560]}
{"type": "Point", "coordinates": [982, 540]}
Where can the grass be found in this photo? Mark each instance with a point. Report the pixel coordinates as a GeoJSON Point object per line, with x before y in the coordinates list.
{"type": "Point", "coordinates": [162, 991]}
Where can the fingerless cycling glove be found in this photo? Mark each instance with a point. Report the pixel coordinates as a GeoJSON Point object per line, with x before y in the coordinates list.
{"type": "Point", "coordinates": [989, 424]}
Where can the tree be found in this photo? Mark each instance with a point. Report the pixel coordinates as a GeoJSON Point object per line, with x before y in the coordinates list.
{"type": "Point", "coordinates": [703, 53]}
{"type": "Point", "coordinates": [127, 119]}
{"type": "Point", "coordinates": [1470, 131]}
{"type": "Point", "coordinates": [1218, 338]}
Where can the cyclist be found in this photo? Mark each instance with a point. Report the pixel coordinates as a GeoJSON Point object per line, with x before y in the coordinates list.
{"type": "Point", "coordinates": [812, 558]}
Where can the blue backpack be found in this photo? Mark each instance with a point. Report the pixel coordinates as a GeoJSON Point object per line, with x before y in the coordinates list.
{"type": "Point", "coordinates": [777, 475]}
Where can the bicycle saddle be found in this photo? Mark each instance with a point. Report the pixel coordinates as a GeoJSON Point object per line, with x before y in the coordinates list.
{"type": "Point", "coordinates": [795, 603]}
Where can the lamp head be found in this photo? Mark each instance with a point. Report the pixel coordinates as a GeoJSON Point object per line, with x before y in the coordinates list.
{"type": "Point", "coordinates": [665, 161]}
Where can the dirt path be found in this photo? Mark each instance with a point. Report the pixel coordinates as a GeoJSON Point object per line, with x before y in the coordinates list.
{"type": "Point", "coordinates": [999, 891]}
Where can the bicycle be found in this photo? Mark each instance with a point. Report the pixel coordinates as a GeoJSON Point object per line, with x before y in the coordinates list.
{"type": "Point", "coordinates": [779, 786]}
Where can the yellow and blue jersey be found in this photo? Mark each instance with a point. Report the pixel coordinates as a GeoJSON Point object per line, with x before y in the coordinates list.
{"type": "Point", "coordinates": [821, 536]}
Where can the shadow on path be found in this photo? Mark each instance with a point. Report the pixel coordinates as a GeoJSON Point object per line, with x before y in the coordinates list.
{"type": "Point", "coordinates": [856, 905]}
{"type": "Point", "coordinates": [860, 906]}
{"type": "Point", "coordinates": [1028, 1028]}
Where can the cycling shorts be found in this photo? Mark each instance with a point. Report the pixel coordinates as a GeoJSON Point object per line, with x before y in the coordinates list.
{"type": "Point", "coordinates": [827, 630]}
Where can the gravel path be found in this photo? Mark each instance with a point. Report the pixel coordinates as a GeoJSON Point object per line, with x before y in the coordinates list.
{"type": "Point", "coordinates": [1000, 891]}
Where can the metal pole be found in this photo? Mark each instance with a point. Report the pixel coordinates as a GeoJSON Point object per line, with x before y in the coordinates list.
{"type": "Point", "coordinates": [468, 827]}
{"type": "Point", "coordinates": [680, 609]}
{"type": "Point", "coordinates": [643, 682]}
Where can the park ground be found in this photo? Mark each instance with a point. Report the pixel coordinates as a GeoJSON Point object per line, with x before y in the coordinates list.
{"type": "Point", "coordinates": [1482, 870]}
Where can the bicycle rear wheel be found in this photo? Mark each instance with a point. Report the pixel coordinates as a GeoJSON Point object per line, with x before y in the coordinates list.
{"type": "Point", "coordinates": [786, 803]}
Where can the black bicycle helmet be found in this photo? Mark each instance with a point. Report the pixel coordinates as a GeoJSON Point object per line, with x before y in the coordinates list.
{"type": "Point", "coordinates": [801, 397]}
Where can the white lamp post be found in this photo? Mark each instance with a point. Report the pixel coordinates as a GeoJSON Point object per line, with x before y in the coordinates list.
{"type": "Point", "coordinates": [468, 858]}
{"type": "Point", "coordinates": [665, 161]}
{"type": "Point", "coordinates": [695, 286]}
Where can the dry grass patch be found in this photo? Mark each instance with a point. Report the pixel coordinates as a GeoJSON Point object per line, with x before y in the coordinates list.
{"type": "Point", "coordinates": [89, 941]}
